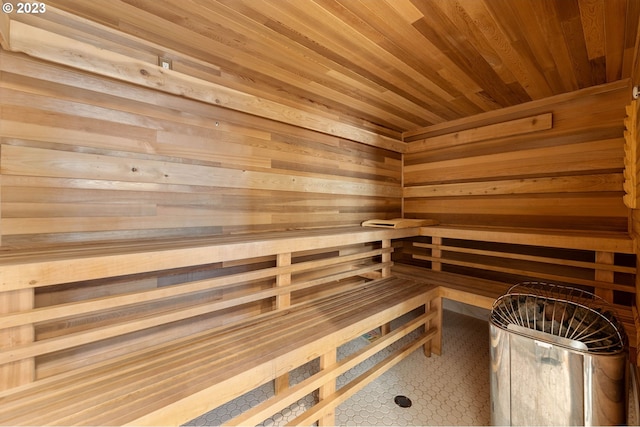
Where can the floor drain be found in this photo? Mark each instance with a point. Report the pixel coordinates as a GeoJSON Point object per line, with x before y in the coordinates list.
{"type": "Point", "coordinates": [402, 401]}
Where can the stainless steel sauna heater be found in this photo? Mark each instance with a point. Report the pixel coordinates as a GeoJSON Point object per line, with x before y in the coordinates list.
{"type": "Point", "coordinates": [558, 357]}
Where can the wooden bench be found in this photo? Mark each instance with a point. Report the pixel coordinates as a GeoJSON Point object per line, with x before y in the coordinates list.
{"type": "Point", "coordinates": [475, 265]}
{"type": "Point", "coordinates": [456, 287]}
{"type": "Point", "coordinates": [158, 333]}
{"type": "Point", "coordinates": [161, 332]}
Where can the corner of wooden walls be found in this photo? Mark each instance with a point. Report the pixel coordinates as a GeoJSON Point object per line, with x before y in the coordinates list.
{"type": "Point", "coordinates": [631, 156]}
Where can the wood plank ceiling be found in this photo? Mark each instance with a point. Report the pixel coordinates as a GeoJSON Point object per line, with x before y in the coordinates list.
{"type": "Point", "coordinates": [389, 66]}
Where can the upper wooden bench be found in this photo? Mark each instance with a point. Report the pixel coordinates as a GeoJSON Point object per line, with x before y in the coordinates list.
{"type": "Point", "coordinates": [162, 332]}
{"type": "Point", "coordinates": [475, 265]}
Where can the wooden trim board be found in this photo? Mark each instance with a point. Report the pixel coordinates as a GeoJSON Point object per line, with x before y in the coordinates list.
{"type": "Point", "coordinates": [498, 130]}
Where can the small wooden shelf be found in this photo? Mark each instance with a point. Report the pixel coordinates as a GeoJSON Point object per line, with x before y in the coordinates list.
{"type": "Point", "coordinates": [399, 223]}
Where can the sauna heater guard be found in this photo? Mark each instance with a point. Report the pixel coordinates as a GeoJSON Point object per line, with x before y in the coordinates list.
{"type": "Point", "coordinates": [558, 357]}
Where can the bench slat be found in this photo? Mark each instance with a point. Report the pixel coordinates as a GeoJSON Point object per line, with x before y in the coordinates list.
{"type": "Point", "coordinates": [483, 293]}
{"type": "Point", "coordinates": [37, 348]}
{"type": "Point", "coordinates": [537, 274]}
{"type": "Point", "coordinates": [225, 337]}
{"type": "Point", "coordinates": [523, 257]}
{"type": "Point", "coordinates": [567, 239]}
{"type": "Point", "coordinates": [174, 381]}
{"type": "Point", "coordinates": [355, 325]}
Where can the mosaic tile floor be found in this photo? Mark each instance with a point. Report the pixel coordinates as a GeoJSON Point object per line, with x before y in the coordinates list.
{"type": "Point", "coordinates": [452, 389]}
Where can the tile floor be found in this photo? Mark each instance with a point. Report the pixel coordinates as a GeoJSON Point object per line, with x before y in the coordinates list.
{"type": "Point", "coordinates": [452, 389]}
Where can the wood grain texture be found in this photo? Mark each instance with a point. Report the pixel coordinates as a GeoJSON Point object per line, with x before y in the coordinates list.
{"type": "Point", "coordinates": [111, 306]}
{"type": "Point", "coordinates": [85, 158]}
{"type": "Point", "coordinates": [4, 31]}
{"type": "Point", "coordinates": [480, 292]}
{"type": "Point", "coordinates": [17, 372]}
{"type": "Point", "coordinates": [71, 52]}
{"type": "Point", "coordinates": [567, 177]}
{"type": "Point", "coordinates": [631, 155]}
{"type": "Point", "coordinates": [603, 262]}
{"type": "Point", "coordinates": [498, 130]}
{"type": "Point", "coordinates": [164, 328]}
{"type": "Point", "coordinates": [631, 177]}
{"type": "Point", "coordinates": [380, 66]}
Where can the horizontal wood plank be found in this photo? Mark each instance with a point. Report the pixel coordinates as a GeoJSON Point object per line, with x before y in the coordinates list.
{"type": "Point", "coordinates": [111, 160]}
{"type": "Point", "coordinates": [559, 184]}
{"type": "Point", "coordinates": [499, 130]}
{"type": "Point", "coordinates": [597, 155]}
{"type": "Point", "coordinates": [49, 46]}
{"type": "Point", "coordinates": [607, 242]}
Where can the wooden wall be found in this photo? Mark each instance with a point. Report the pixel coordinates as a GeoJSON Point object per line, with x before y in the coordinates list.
{"type": "Point", "coordinates": [87, 158]}
{"type": "Point", "coordinates": [557, 164]}
{"type": "Point", "coordinates": [569, 176]}
{"type": "Point", "coordinates": [632, 182]}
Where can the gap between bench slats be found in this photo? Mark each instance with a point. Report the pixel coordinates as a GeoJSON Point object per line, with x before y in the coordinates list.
{"type": "Point", "coordinates": [523, 257]}
{"type": "Point", "coordinates": [224, 337]}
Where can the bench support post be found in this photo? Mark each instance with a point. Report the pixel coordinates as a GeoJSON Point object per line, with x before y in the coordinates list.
{"type": "Point", "coordinates": [281, 383]}
{"type": "Point", "coordinates": [386, 272]}
{"type": "Point", "coordinates": [22, 371]}
{"type": "Point", "coordinates": [283, 301]}
{"type": "Point", "coordinates": [435, 344]}
{"type": "Point", "coordinates": [436, 252]}
{"type": "Point", "coordinates": [385, 328]}
{"type": "Point", "coordinates": [386, 257]}
{"type": "Point", "coordinates": [325, 391]}
{"type": "Point", "coordinates": [604, 275]}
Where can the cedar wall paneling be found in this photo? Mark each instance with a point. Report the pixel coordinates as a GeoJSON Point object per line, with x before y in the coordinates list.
{"type": "Point", "coordinates": [633, 177]}
{"type": "Point", "coordinates": [86, 158]}
{"type": "Point", "coordinates": [566, 177]}
{"type": "Point", "coordinates": [635, 217]}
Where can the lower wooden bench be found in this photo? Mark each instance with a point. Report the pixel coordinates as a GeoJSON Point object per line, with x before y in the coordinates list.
{"type": "Point", "coordinates": [466, 289]}
{"type": "Point", "coordinates": [174, 382]}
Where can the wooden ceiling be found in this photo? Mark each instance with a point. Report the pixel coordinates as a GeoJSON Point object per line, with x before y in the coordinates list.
{"type": "Point", "coordinates": [389, 66]}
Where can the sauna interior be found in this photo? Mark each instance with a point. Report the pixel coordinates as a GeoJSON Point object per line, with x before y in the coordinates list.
{"type": "Point", "coordinates": [183, 186]}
